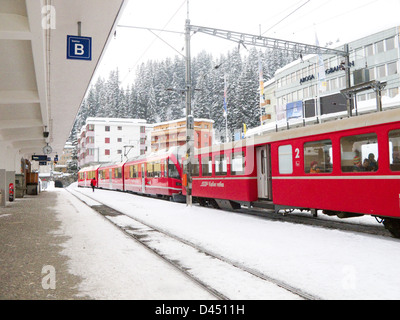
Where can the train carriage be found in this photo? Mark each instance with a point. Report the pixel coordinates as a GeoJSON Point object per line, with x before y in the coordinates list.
{"type": "Point", "coordinates": [85, 175]}
{"type": "Point", "coordinates": [110, 177]}
{"type": "Point", "coordinates": [225, 174]}
{"type": "Point", "coordinates": [155, 174]}
{"type": "Point", "coordinates": [347, 168]}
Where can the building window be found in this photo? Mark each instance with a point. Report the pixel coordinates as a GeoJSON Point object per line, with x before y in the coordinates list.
{"type": "Point", "coordinates": [107, 152]}
{"type": "Point", "coordinates": [381, 71]}
{"type": "Point", "coordinates": [390, 44]}
{"type": "Point", "coordinates": [392, 68]}
{"type": "Point", "coordinates": [359, 53]}
{"type": "Point", "coordinates": [107, 128]}
{"type": "Point", "coordinates": [119, 151]}
{"type": "Point", "coordinates": [107, 140]}
{"type": "Point", "coordinates": [393, 92]}
{"type": "Point", "coordinates": [380, 47]}
{"type": "Point", "coordinates": [119, 128]}
{"type": "Point", "coordinates": [119, 139]}
{"type": "Point", "coordinates": [333, 84]}
{"type": "Point", "coordinates": [360, 153]}
{"type": "Point", "coordinates": [372, 74]}
{"type": "Point", "coordinates": [369, 50]}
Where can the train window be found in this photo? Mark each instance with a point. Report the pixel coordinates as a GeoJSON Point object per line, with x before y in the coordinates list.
{"type": "Point", "coordinates": [165, 168]}
{"type": "Point", "coordinates": [318, 157]}
{"type": "Point", "coordinates": [133, 171]}
{"type": "Point", "coordinates": [221, 165]}
{"type": "Point", "coordinates": [285, 159]}
{"type": "Point", "coordinates": [117, 173]}
{"type": "Point", "coordinates": [150, 170]}
{"type": "Point", "coordinates": [206, 166]}
{"type": "Point", "coordinates": [238, 163]}
{"type": "Point", "coordinates": [394, 150]}
{"type": "Point", "coordinates": [173, 170]}
{"type": "Point", "coordinates": [360, 153]}
{"type": "Point", "coordinates": [157, 169]}
{"type": "Point", "coordinates": [195, 167]}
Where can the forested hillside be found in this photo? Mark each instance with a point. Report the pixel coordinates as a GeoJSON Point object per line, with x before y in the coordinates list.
{"type": "Point", "coordinates": [148, 97]}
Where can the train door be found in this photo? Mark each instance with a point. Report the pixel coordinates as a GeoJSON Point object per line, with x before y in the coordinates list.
{"type": "Point", "coordinates": [143, 179]}
{"type": "Point", "coordinates": [264, 172]}
{"type": "Point", "coordinates": [110, 179]}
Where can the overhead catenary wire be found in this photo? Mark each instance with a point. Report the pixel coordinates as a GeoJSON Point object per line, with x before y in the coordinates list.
{"type": "Point", "coordinates": [155, 39]}
{"type": "Point", "coordinates": [325, 20]}
{"type": "Point", "coordinates": [287, 16]}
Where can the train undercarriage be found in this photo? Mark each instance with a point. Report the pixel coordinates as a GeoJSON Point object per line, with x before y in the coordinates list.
{"type": "Point", "coordinates": [391, 224]}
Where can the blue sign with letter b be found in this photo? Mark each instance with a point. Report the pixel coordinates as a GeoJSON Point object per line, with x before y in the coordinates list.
{"type": "Point", "coordinates": [79, 48]}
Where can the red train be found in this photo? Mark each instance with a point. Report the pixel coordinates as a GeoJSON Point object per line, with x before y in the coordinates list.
{"type": "Point", "coordinates": [157, 174]}
{"type": "Point", "coordinates": [346, 168]}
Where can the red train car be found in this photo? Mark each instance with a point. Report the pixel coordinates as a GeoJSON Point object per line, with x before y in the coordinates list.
{"type": "Point", "coordinates": [110, 176]}
{"type": "Point", "coordinates": [155, 174]}
{"type": "Point", "coordinates": [225, 175]}
{"type": "Point", "coordinates": [85, 175]}
{"type": "Point", "coordinates": [347, 168]}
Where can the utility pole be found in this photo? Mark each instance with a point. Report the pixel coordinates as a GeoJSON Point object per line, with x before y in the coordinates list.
{"type": "Point", "coordinates": [189, 116]}
{"type": "Point", "coordinates": [244, 39]}
{"type": "Point", "coordinates": [348, 81]}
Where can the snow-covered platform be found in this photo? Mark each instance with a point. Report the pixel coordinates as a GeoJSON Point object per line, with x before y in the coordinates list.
{"type": "Point", "coordinates": [53, 246]}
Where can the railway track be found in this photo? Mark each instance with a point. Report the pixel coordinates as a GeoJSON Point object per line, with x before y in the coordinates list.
{"type": "Point", "coordinates": [309, 220]}
{"type": "Point", "coordinates": [224, 278]}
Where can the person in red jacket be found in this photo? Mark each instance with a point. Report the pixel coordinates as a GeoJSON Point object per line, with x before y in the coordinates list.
{"type": "Point", "coordinates": [93, 183]}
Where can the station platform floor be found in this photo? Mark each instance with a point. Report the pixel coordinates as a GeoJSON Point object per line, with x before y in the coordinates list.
{"type": "Point", "coordinates": [55, 247]}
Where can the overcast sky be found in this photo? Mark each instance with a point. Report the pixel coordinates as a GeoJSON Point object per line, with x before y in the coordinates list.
{"type": "Point", "coordinates": [296, 20]}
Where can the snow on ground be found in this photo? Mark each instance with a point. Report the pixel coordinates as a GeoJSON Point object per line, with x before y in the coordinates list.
{"type": "Point", "coordinates": [327, 263]}
{"type": "Point", "coordinates": [111, 265]}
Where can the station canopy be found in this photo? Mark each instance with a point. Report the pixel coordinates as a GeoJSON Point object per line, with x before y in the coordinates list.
{"type": "Point", "coordinates": [41, 89]}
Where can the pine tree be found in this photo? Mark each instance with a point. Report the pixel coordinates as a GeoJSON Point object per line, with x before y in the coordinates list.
{"type": "Point", "coordinates": [148, 98]}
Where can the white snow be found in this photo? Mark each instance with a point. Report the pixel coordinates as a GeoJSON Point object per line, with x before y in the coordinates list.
{"type": "Point", "coordinates": [329, 264]}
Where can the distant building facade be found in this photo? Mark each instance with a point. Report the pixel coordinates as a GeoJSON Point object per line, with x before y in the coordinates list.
{"type": "Point", "coordinates": [169, 134]}
{"type": "Point", "coordinates": [65, 158]}
{"type": "Point", "coordinates": [296, 91]}
{"type": "Point", "coordinates": [103, 140]}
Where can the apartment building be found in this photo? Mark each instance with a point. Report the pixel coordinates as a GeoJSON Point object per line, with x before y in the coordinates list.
{"type": "Point", "coordinates": [103, 140]}
{"type": "Point", "coordinates": [173, 133]}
